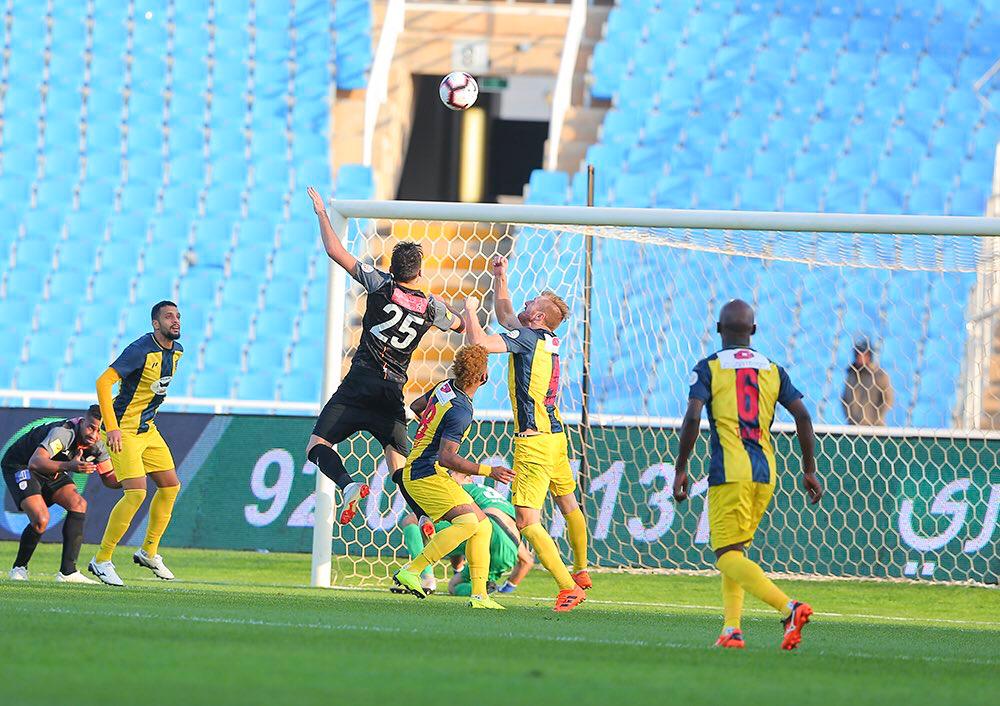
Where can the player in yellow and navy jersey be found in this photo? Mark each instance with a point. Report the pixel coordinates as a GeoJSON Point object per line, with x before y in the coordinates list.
{"type": "Point", "coordinates": [144, 370]}
{"type": "Point", "coordinates": [445, 417]}
{"type": "Point", "coordinates": [541, 451]}
{"type": "Point", "coordinates": [740, 389]}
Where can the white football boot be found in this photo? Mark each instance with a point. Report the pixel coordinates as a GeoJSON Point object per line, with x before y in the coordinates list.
{"type": "Point", "coordinates": [105, 571]}
{"type": "Point", "coordinates": [154, 564]}
{"type": "Point", "coordinates": [75, 577]}
{"type": "Point", "coordinates": [18, 573]}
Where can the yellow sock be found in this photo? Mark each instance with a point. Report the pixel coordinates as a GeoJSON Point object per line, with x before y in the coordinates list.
{"type": "Point", "coordinates": [159, 515]}
{"type": "Point", "coordinates": [460, 529]}
{"type": "Point", "coordinates": [576, 527]}
{"type": "Point", "coordinates": [751, 577]}
{"type": "Point", "coordinates": [547, 553]}
{"type": "Point", "coordinates": [732, 603]}
{"type": "Point", "coordinates": [477, 553]}
{"type": "Point", "coordinates": [119, 521]}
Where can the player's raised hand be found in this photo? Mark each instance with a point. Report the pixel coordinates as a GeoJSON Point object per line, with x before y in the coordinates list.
{"type": "Point", "coordinates": [115, 440]}
{"type": "Point", "coordinates": [813, 488]}
{"type": "Point", "coordinates": [499, 266]}
{"type": "Point", "coordinates": [318, 206]}
{"type": "Point", "coordinates": [680, 486]}
{"type": "Point", "coordinates": [501, 474]}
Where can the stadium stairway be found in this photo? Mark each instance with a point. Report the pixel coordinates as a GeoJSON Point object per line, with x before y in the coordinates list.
{"type": "Point", "coordinates": [796, 106]}
{"type": "Point", "coordinates": [164, 154]}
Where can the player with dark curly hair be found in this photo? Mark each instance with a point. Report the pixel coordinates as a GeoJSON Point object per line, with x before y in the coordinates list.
{"type": "Point", "coordinates": [445, 417]}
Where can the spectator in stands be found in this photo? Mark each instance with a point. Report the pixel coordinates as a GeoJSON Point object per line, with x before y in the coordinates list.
{"type": "Point", "coordinates": [867, 392]}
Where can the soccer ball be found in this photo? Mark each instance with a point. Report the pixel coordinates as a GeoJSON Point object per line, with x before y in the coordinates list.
{"type": "Point", "coordinates": [458, 90]}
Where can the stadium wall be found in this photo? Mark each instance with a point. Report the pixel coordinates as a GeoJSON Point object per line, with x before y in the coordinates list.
{"type": "Point", "coordinates": [898, 504]}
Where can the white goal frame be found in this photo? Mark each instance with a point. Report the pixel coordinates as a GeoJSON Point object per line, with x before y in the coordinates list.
{"type": "Point", "coordinates": [342, 210]}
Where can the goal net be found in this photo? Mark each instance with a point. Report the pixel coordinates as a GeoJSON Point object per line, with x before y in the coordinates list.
{"type": "Point", "coordinates": [906, 447]}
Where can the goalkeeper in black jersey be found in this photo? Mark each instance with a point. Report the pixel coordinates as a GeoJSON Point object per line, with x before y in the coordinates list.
{"type": "Point", "coordinates": [397, 315]}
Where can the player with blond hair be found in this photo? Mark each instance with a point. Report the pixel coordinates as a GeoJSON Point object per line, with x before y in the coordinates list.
{"type": "Point", "coordinates": [541, 450]}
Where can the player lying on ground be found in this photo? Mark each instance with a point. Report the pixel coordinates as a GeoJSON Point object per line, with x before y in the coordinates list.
{"type": "Point", "coordinates": [144, 370]}
{"type": "Point", "coordinates": [739, 389]}
{"type": "Point", "coordinates": [397, 315]}
{"type": "Point", "coordinates": [444, 423]}
{"type": "Point", "coordinates": [541, 451]}
{"type": "Point", "coordinates": [507, 551]}
{"type": "Point", "coordinates": [37, 464]}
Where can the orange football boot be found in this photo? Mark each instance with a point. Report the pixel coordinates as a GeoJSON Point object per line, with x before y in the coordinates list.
{"type": "Point", "coordinates": [794, 624]}
{"type": "Point", "coordinates": [732, 639]}
{"type": "Point", "coordinates": [568, 599]}
{"type": "Point", "coordinates": [582, 579]}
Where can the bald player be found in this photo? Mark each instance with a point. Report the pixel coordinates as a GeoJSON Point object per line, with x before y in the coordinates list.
{"type": "Point", "coordinates": [740, 389]}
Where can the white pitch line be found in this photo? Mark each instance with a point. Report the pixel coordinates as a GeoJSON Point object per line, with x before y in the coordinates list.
{"type": "Point", "coordinates": [506, 635]}
{"type": "Point", "coordinates": [635, 604]}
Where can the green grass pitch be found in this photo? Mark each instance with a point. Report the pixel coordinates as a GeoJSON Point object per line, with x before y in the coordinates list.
{"type": "Point", "coordinates": [240, 628]}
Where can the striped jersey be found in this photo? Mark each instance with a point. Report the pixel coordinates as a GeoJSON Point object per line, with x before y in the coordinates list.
{"type": "Point", "coordinates": [146, 369]}
{"type": "Point", "coordinates": [533, 378]}
{"type": "Point", "coordinates": [447, 417]}
{"type": "Point", "coordinates": [741, 389]}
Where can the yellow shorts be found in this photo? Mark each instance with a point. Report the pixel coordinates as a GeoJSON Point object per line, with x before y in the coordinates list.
{"type": "Point", "coordinates": [735, 510]}
{"type": "Point", "coordinates": [141, 454]}
{"type": "Point", "coordinates": [541, 464]}
{"type": "Point", "coordinates": [436, 494]}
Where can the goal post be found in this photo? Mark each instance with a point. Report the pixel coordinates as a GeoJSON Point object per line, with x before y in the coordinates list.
{"type": "Point", "coordinates": [916, 496]}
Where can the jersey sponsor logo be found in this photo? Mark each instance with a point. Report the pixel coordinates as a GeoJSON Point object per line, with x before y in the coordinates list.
{"type": "Point", "coordinates": [23, 485]}
{"type": "Point", "coordinates": [742, 358]}
{"type": "Point", "coordinates": [160, 386]}
{"type": "Point", "coordinates": [22, 477]}
{"type": "Point", "coordinates": [513, 335]}
{"type": "Point", "coordinates": [552, 345]}
{"type": "Point", "coordinates": [445, 394]}
{"type": "Point", "coordinates": [411, 302]}
{"type": "Point", "coordinates": [56, 446]}
{"type": "Point", "coordinates": [365, 267]}
{"type": "Point", "coordinates": [693, 379]}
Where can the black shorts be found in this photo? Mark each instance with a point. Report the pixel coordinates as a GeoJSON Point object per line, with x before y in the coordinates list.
{"type": "Point", "coordinates": [23, 483]}
{"type": "Point", "coordinates": [365, 402]}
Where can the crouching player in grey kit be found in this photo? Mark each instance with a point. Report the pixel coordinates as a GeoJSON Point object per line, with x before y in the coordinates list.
{"type": "Point", "coordinates": [37, 464]}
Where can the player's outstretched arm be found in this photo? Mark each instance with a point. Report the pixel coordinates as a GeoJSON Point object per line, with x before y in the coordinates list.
{"type": "Point", "coordinates": [41, 462]}
{"type": "Point", "coordinates": [475, 334]}
{"type": "Point", "coordinates": [334, 248]}
{"type": "Point", "coordinates": [449, 458]}
{"type": "Point", "coordinates": [689, 435]}
{"type": "Point", "coordinates": [503, 305]}
{"type": "Point", "coordinates": [807, 441]}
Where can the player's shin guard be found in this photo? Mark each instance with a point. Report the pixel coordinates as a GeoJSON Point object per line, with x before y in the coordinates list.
{"type": "Point", "coordinates": [732, 603]}
{"type": "Point", "coordinates": [29, 540]}
{"type": "Point", "coordinates": [72, 541]}
{"type": "Point", "coordinates": [548, 554]}
{"type": "Point", "coordinates": [119, 521]}
{"type": "Point", "coordinates": [461, 528]}
{"type": "Point", "coordinates": [329, 463]}
{"type": "Point", "coordinates": [576, 528]}
{"type": "Point", "coordinates": [477, 553]}
{"type": "Point", "coordinates": [160, 509]}
{"type": "Point", "coordinates": [752, 578]}
{"type": "Point", "coordinates": [413, 540]}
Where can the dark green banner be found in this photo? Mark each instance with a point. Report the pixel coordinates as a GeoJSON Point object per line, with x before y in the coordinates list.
{"type": "Point", "coordinates": [914, 506]}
